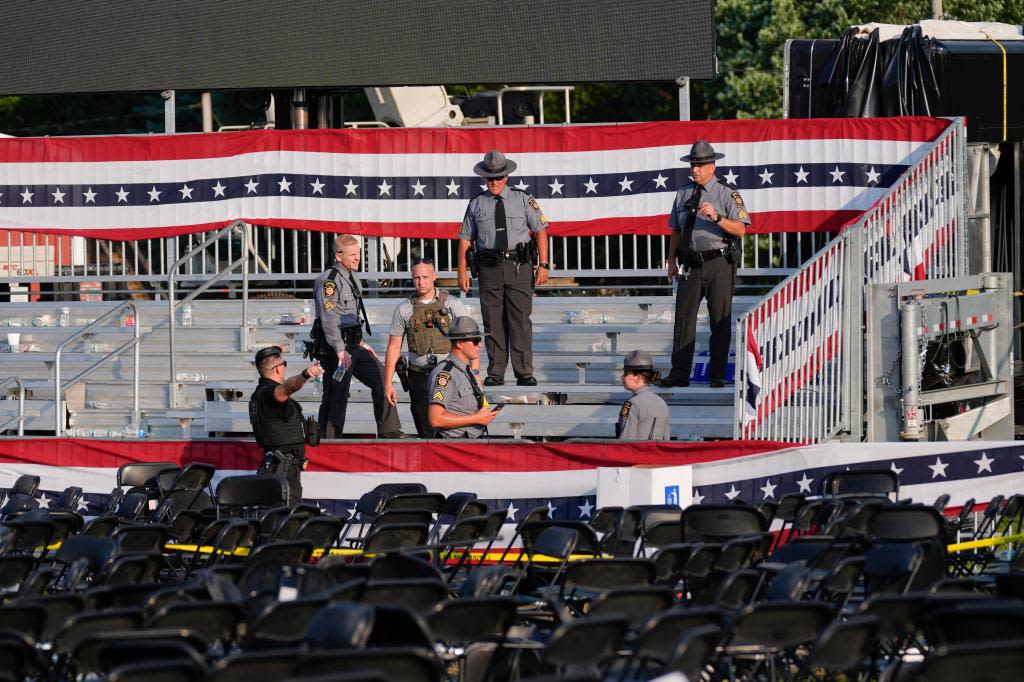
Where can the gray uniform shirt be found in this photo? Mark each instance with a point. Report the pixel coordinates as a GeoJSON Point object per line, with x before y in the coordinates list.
{"type": "Point", "coordinates": [707, 234]}
{"type": "Point", "coordinates": [400, 325]}
{"type": "Point", "coordinates": [336, 304]}
{"type": "Point", "coordinates": [523, 218]}
{"type": "Point", "coordinates": [643, 417]}
{"type": "Point", "coordinates": [451, 386]}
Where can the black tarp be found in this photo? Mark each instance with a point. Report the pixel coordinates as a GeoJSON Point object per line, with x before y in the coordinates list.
{"type": "Point", "coordinates": [910, 75]}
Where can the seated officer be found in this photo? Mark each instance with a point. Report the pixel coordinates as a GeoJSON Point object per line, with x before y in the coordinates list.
{"type": "Point", "coordinates": [458, 408]}
{"type": "Point", "coordinates": [277, 419]}
{"type": "Point", "coordinates": [645, 415]}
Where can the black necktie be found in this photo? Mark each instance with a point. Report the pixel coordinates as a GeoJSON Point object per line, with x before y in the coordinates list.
{"type": "Point", "coordinates": [500, 229]}
{"type": "Point", "coordinates": [692, 204]}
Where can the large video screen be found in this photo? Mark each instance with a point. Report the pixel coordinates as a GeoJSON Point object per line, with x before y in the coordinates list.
{"type": "Point", "coordinates": [117, 46]}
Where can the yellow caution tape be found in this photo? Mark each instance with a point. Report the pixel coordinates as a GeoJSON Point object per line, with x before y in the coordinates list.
{"type": "Point", "coordinates": [1003, 50]}
{"type": "Point", "coordinates": [987, 542]}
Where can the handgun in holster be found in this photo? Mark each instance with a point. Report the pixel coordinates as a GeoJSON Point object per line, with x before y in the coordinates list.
{"type": "Point", "coordinates": [473, 263]}
{"type": "Point", "coordinates": [317, 347]}
{"type": "Point", "coordinates": [524, 254]}
{"type": "Point", "coordinates": [275, 461]}
{"type": "Point", "coordinates": [733, 250]}
{"type": "Point", "coordinates": [402, 370]}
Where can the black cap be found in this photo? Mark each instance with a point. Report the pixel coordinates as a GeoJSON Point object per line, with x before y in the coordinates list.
{"type": "Point", "coordinates": [264, 353]}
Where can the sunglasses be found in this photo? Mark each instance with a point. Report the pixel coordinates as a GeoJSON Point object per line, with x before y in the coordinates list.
{"type": "Point", "coordinates": [475, 342]}
{"type": "Point", "coordinates": [283, 363]}
{"type": "Point", "coordinates": [497, 179]}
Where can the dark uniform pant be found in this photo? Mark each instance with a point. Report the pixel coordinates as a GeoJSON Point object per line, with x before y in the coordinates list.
{"type": "Point", "coordinates": [419, 403]}
{"type": "Point", "coordinates": [334, 404]}
{"type": "Point", "coordinates": [506, 303]}
{"type": "Point", "coordinates": [715, 282]}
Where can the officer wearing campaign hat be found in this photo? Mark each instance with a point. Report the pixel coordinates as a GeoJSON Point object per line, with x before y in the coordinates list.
{"type": "Point", "coordinates": [458, 408]}
{"type": "Point", "coordinates": [708, 221]}
{"type": "Point", "coordinates": [276, 418]}
{"type": "Point", "coordinates": [502, 224]}
{"type": "Point", "coordinates": [645, 415]}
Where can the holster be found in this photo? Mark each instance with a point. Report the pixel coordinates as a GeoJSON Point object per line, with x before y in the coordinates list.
{"type": "Point", "coordinates": [352, 336]}
{"type": "Point", "coordinates": [317, 347]}
{"type": "Point", "coordinates": [733, 251]}
{"type": "Point", "coordinates": [312, 431]}
{"type": "Point", "coordinates": [473, 263]}
{"type": "Point", "coordinates": [275, 461]}
{"type": "Point", "coordinates": [402, 370]}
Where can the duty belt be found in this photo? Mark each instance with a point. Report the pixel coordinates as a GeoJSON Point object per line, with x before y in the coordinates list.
{"type": "Point", "coordinates": [494, 255]}
{"type": "Point", "coordinates": [701, 256]}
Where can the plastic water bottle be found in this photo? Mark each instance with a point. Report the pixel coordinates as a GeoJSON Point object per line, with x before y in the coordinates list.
{"type": "Point", "coordinates": [64, 318]}
{"type": "Point", "coordinates": [307, 312]}
{"type": "Point", "coordinates": [191, 376]}
{"type": "Point", "coordinates": [664, 317]}
{"type": "Point", "coordinates": [601, 347]}
{"type": "Point", "coordinates": [98, 405]}
{"type": "Point", "coordinates": [186, 315]}
{"type": "Point", "coordinates": [143, 428]}
{"type": "Point", "coordinates": [570, 317]}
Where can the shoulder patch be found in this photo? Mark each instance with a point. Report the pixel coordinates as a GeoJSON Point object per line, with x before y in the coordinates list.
{"type": "Point", "coordinates": [737, 199]}
{"type": "Point", "coordinates": [536, 207]}
{"type": "Point", "coordinates": [624, 412]}
{"type": "Point", "coordinates": [329, 288]}
{"type": "Point", "coordinates": [442, 380]}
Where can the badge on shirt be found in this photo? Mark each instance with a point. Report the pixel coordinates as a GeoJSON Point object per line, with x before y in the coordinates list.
{"type": "Point", "coordinates": [624, 412]}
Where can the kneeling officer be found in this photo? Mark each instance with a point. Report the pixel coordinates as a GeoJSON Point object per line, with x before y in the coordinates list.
{"type": "Point", "coordinates": [458, 408]}
{"type": "Point", "coordinates": [277, 420]}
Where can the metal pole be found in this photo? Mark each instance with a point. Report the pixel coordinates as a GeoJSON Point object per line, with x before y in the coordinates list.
{"type": "Point", "coordinates": [910, 320]}
{"type": "Point", "coordinates": [684, 98]}
{"type": "Point", "coordinates": [170, 339]}
{"type": "Point", "coordinates": [300, 114]}
{"type": "Point", "coordinates": [244, 337]}
{"type": "Point", "coordinates": [322, 120]}
{"type": "Point", "coordinates": [937, 10]}
{"type": "Point", "coordinates": [207, 101]}
{"type": "Point", "coordinates": [169, 105]}
{"type": "Point", "coordinates": [135, 373]}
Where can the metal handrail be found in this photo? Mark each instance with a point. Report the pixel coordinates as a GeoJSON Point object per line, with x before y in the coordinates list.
{"type": "Point", "coordinates": [886, 223]}
{"type": "Point", "coordinates": [541, 89]}
{"type": "Point", "coordinates": [58, 386]}
{"type": "Point", "coordinates": [20, 417]}
{"type": "Point", "coordinates": [242, 260]}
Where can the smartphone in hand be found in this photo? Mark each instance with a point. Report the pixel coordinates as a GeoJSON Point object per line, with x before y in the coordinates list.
{"type": "Point", "coordinates": [496, 407]}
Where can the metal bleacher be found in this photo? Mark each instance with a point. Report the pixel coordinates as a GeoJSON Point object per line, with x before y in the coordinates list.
{"type": "Point", "coordinates": [577, 365]}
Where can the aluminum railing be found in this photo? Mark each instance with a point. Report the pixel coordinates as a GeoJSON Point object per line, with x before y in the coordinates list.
{"type": "Point", "coordinates": [808, 329]}
{"type": "Point", "coordinates": [247, 250]}
{"type": "Point", "coordinates": [294, 258]}
{"type": "Point", "coordinates": [59, 386]}
{"type": "Point", "coordinates": [20, 417]}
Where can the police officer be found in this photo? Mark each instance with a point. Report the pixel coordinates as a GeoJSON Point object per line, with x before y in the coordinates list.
{"type": "Point", "coordinates": [500, 222]}
{"type": "Point", "coordinates": [645, 415]}
{"type": "Point", "coordinates": [277, 419]}
{"type": "Point", "coordinates": [458, 408]}
{"type": "Point", "coordinates": [708, 220]}
{"type": "Point", "coordinates": [341, 313]}
{"type": "Point", "coordinates": [423, 319]}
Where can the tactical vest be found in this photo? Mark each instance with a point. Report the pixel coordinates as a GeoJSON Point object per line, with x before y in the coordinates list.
{"type": "Point", "coordinates": [429, 325]}
{"type": "Point", "coordinates": [273, 433]}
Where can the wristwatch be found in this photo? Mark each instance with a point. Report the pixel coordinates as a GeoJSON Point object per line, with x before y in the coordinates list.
{"type": "Point", "coordinates": [305, 374]}
{"type": "Point", "coordinates": [475, 372]}
{"type": "Point", "coordinates": [718, 219]}
{"type": "Point", "coordinates": [546, 266]}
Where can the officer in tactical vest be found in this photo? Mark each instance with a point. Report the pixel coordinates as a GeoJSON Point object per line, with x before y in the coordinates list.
{"type": "Point", "coordinates": [277, 420]}
{"type": "Point", "coordinates": [708, 221]}
{"type": "Point", "coordinates": [645, 415]}
{"type": "Point", "coordinates": [341, 316]}
{"type": "Point", "coordinates": [423, 319]}
{"type": "Point", "coordinates": [458, 408]}
{"type": "Point", "coordinates": [509, 232]}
